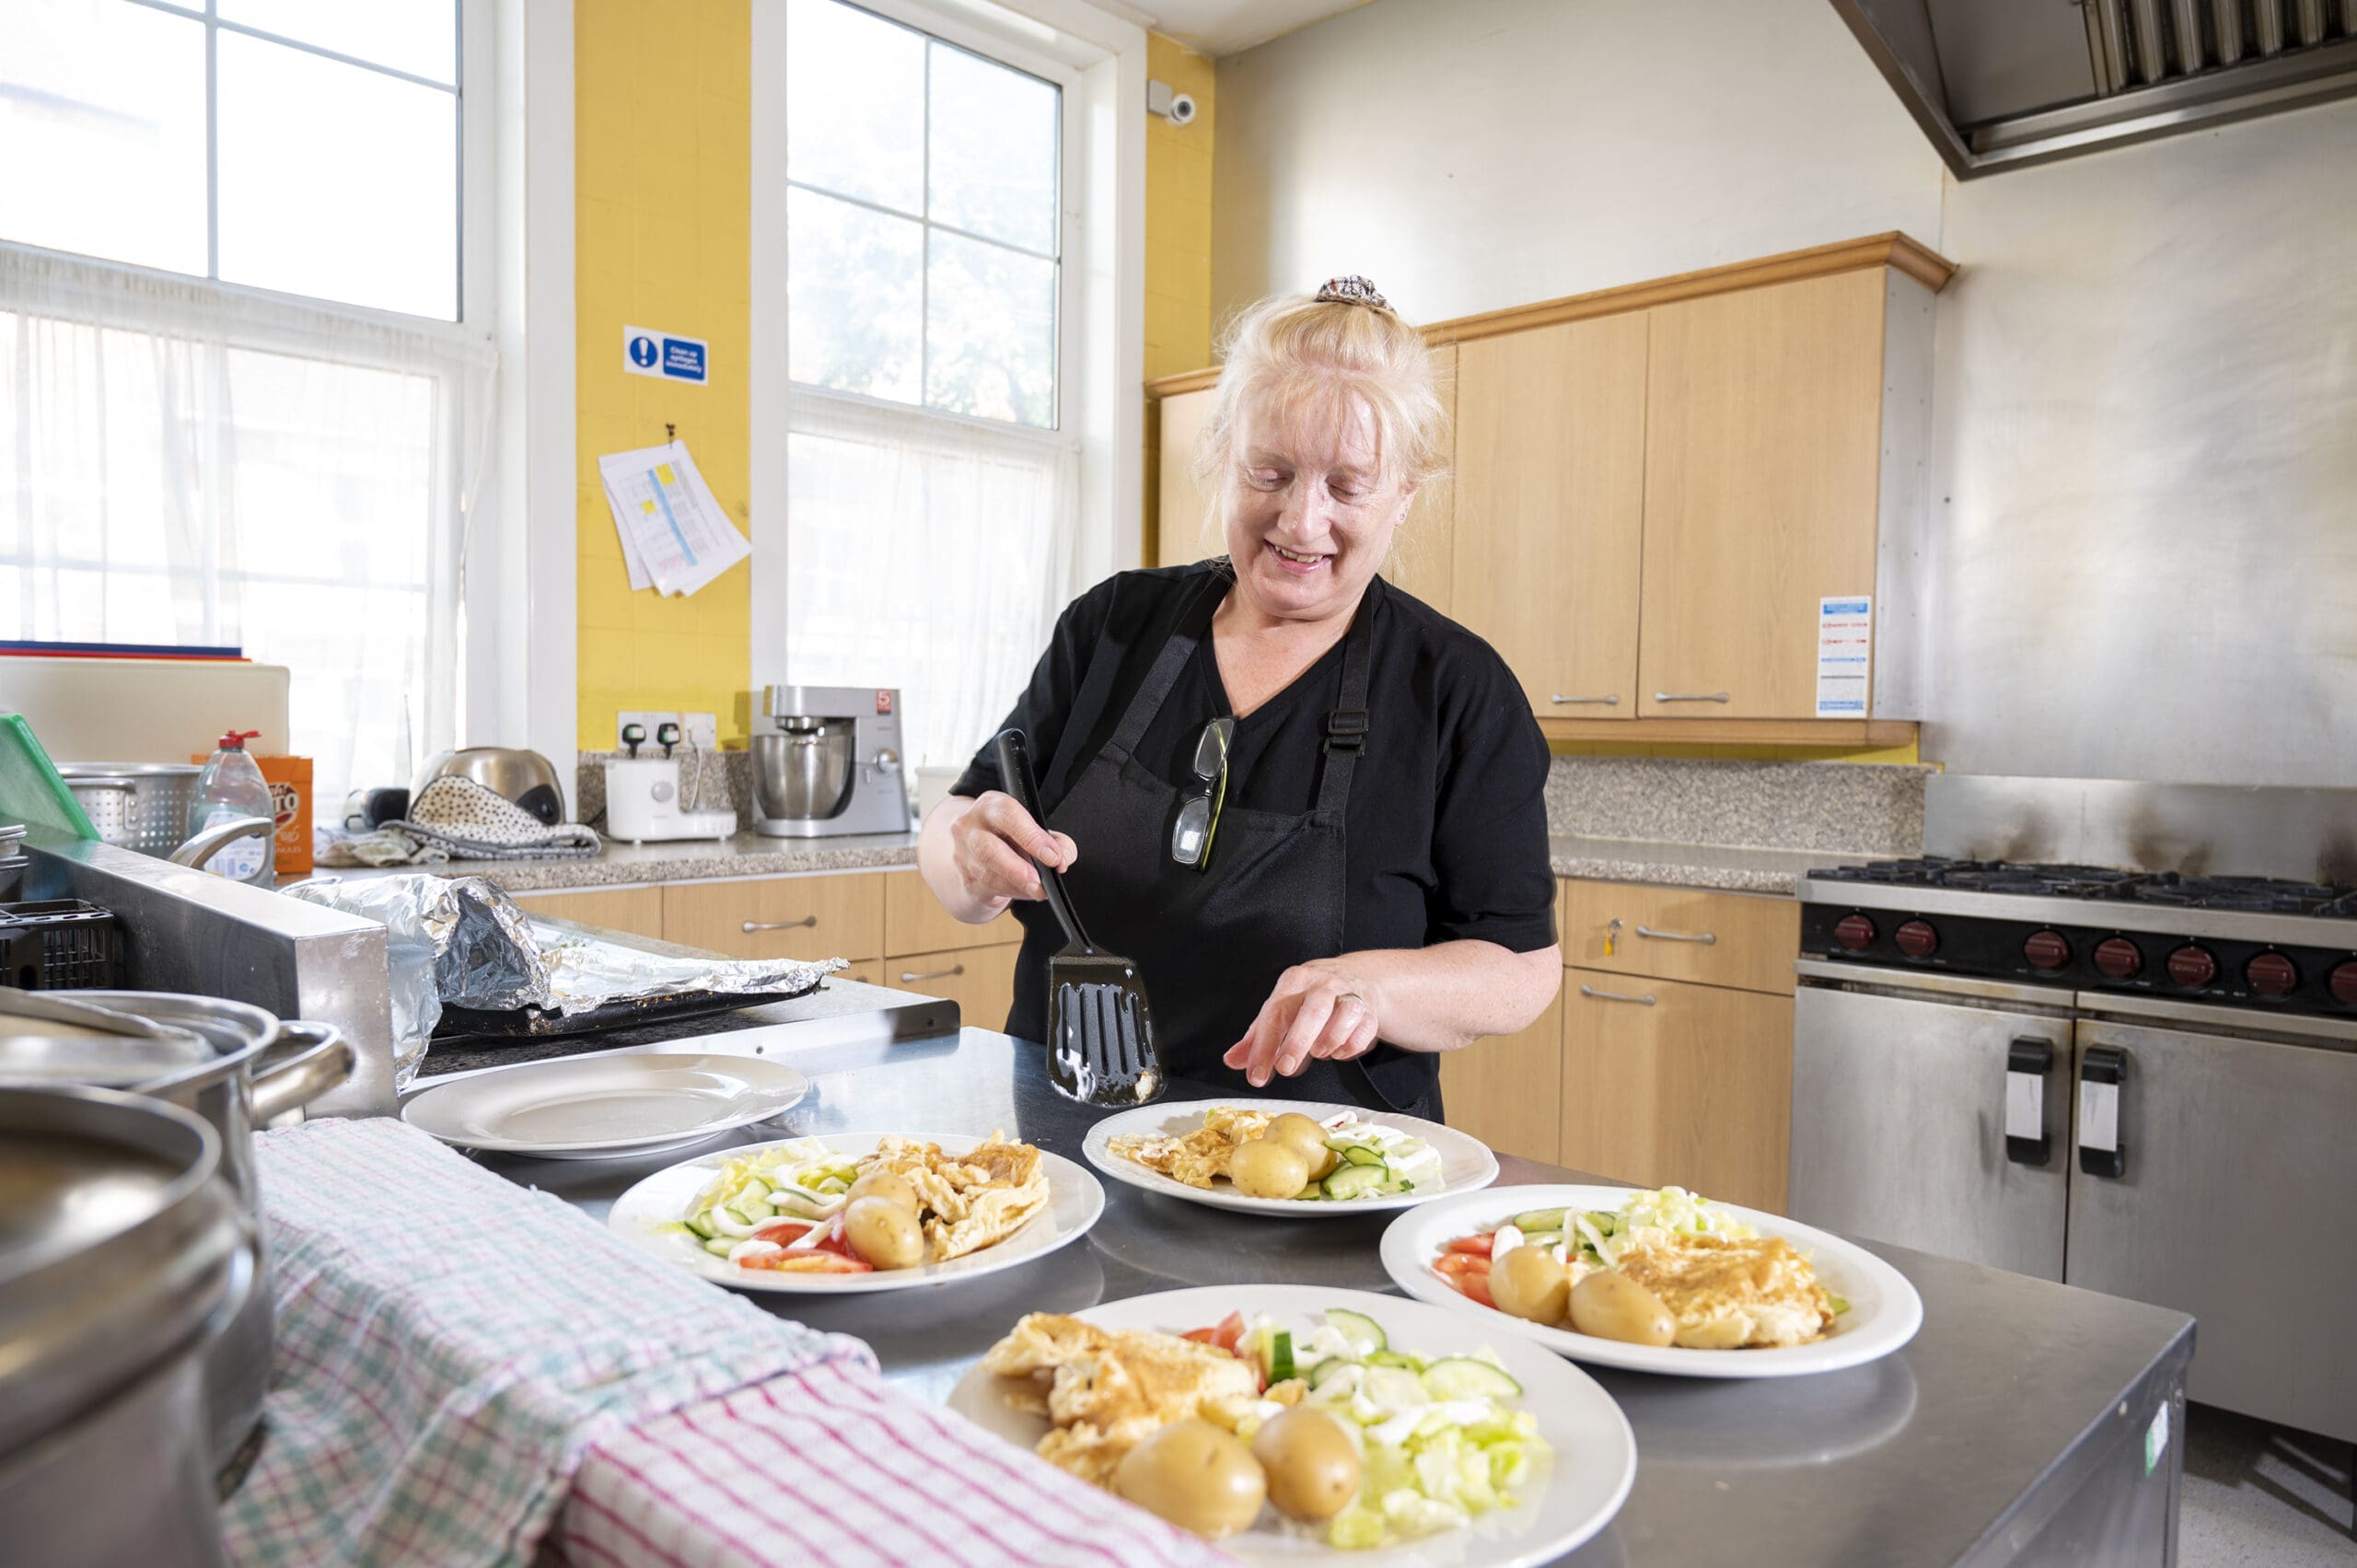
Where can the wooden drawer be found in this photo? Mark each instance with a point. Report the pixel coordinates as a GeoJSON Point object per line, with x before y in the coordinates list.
{"type": "Point", "coordinates": [1754, 937]}
{"type": "Point", "coordinates": [914, 920]}
{"type": "Point", "coordinates": [1664, 1082]}
{"type": "Point", "coordinates": [979, 979]}
{"type": "Point", "coordinates": [780, 917]}
{"type": "Point", "coordinates": [1507, 1091]}
{"type": "Point", "coordinates": [638, 910]}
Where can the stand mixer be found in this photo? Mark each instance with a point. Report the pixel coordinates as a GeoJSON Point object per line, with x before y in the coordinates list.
{"type": "Point", "coordinates": [827, 760]}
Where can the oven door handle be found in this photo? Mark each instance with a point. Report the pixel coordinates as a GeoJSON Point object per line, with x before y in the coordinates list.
{"type": "Point", "coordinates": [2103, 1075]}
{"type": "Point", "coordinates": [2027, 1062]}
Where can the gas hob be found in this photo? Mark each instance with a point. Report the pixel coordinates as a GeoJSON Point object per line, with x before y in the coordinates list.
{"type": "Point", "coordinates": [2238, 941]}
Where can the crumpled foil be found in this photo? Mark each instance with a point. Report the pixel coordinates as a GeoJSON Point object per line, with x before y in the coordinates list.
{"type": "Point", "coordinates": [484, 951]}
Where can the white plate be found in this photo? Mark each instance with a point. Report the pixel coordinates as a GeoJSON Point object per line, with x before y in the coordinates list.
{"type": "Point", "coordinates": [1465, 1163]}
{"type": "Point", "coordinates": [1075, 1199]}
{"type": "Point", "coordinates": [603, 1107]}
{"type": "Point", "coordinates": [1884, 1312]}
{"type": "Point", "coordinates": [1594, 1465]}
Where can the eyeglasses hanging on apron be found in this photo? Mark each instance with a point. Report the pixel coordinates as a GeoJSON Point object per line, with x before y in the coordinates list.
{"type": "Point", "coordinates": [1198, 823]}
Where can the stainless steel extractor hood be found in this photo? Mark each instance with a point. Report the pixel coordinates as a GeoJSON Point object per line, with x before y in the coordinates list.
{"type": "Point", "coordinates": [1998, 84]}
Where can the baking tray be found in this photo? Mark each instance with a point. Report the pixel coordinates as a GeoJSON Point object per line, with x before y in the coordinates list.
{"type": "Point", "coordinates": [537, 1023]}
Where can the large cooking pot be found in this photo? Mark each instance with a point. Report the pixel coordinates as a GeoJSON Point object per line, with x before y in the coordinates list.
{"type": "Point", "coordinates": [233, 1065]}
{"type": "Point", "coordinates": [121, 1256]}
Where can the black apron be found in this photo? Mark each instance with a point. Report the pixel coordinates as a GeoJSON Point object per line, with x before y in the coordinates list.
{"type": "Point", "coordinates": [1210, 944]}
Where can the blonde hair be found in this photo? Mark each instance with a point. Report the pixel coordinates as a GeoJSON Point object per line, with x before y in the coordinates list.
{"type": "Point", "coordinates": [1318, 363]}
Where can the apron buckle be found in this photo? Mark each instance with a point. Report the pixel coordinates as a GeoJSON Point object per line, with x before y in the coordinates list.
{"type": "Point", "coordinates": [1346, 729]}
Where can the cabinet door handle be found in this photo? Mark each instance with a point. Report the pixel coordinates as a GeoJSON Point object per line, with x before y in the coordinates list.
{"type": "Point", "coordinates": [1690, 696]}
{"type": "Point", "coordinates": [1644, 1000]}
{"type": "Point", "coordinates": [1708, 939]}
{"type": "Point", "coordinates": [909, 975]}
{"type": "Point", "coordinates": [753, 925]}
{"type": "Point", "coordinates": [2027, 1060]}
{"type": "Point", "coordinates": [2103, 1075]}
{"type": "Point", "coordinates": [1611, 701]}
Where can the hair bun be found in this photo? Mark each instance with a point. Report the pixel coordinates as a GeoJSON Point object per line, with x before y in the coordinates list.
{"type": "Point", "coordinates": [1352, 290]}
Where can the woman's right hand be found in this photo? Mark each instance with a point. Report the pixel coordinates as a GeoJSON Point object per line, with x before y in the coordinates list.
{"type": "Point", "coordinates": [993, 843]}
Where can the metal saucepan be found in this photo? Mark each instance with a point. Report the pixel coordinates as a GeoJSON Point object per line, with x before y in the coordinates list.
{"type": "Point", "coordinates": [144, 806]}
{"type": "Point", "coordinates": [232, 1063]}
{"type": "Point", "coordinates": [121, 1258]}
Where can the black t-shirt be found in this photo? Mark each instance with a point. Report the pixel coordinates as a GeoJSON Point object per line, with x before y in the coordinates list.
{"type": "Point", "coordinates": [1446, 824]}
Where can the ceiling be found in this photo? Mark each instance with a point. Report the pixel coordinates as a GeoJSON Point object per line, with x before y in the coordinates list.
{"type": "Point", "coordinates": [1230, 27]}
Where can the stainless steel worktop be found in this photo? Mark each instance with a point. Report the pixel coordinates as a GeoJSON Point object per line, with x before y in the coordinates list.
{"type": "Point", "coordinates": [2014, 1429]}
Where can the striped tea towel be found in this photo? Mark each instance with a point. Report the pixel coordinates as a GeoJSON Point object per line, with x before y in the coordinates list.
{"type": "Point", "coordinates": [450, 1344]}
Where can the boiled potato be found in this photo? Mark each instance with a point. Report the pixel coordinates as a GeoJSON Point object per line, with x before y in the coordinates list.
{"type": "Point", "coordinates": [1530, 1281]}
{"type": "Point", "coordinates": [1304, 1135]}
{"type": "Point", "coordinates": [1196, 1476]}
{"type": "Point", "coordinates": [1313, 1465]}
{"type": "Point", "coordinates": [1611, 1306]}
{"type": "Point", "coordinates": [881, 1183]}
{"type": "Point", "coordinates": [1268, 1167]}
{"type": "Point", "coordinates": [884, 1233]}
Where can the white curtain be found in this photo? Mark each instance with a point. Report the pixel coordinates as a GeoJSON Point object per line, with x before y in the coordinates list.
{"type": "Point", "coordinates": [185, 464]}
{"type": "Point", "coordinates": [928, 552]}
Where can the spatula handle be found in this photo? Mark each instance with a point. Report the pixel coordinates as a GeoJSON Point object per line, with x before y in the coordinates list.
{"type": "Point", "coordinates": [1014, 774]}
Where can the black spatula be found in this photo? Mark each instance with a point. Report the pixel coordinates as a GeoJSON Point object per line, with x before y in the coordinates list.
{"type": "Point", "coordinates": [1100, 1032]}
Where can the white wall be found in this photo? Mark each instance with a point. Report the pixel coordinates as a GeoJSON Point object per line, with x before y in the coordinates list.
{"type": "Point", "coordinates": [2144, 498]}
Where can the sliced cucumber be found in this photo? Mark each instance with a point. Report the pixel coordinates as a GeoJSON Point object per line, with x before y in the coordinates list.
{"type": "Point", "coordinates": [754, 1191]}
{"type": "Point", "coordinates": [1358, 1328]}
{"type": "Point", "coordinates": [1541, 1237]}
{"type": "Point", "coordinates": [1326, 1370]}
{"type": "Point", "coordinates": [1541, 1219]}
{"type": "Point", "coordinates": [1463, 1378]}
{"type": "Point", "coordinates": [1357, 1154]}
{"type": "Point", "coordinates": [1355, 1181]}
{"type": "Point", "coordinates": [1396, 1387]}
{"type": "Point", "coordinates": [720, 1246]}
{"type": "Point", "coordinates": [1281, 1356]}
{"type": "Point", "coordinates": [1390, 1358]}
{"type": "Point", "coordinates": [701, 1225]}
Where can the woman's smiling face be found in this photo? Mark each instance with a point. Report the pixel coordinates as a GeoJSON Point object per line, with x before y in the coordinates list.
{"type": "Point", "coordinates": [1310, 510]}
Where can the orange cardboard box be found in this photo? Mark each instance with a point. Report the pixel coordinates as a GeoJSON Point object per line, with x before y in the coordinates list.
{"type": "Point", "coordinates": [290, 793]}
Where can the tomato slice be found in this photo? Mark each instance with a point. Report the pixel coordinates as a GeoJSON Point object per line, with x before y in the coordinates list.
{"type": "Point", "coordinates": [1475, 1244]}
{"type": "Point", "coordinates": [1200, 1336]}
{"type": "Point", "coordinates": [1455, 1265]}
{"type": "Point", "coordinates": [784, 1232]}
{"type": "Point", "coordinates": [1477, 1286]}
{"type": "Point", "coordinates": [1229, 1335]}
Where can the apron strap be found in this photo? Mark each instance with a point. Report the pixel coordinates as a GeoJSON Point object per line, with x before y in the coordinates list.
{"type": "Point", "coordinates": [1193, 622]}
{"type": "Point", "coordinates": [1097, 692]}
{"type": "Point", "coordinates": [1346, 726]}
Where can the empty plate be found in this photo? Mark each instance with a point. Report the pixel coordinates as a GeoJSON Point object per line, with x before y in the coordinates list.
{"type": "Point", "coordinates": [598, 1107]}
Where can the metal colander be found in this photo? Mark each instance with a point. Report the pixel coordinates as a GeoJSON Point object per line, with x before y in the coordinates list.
{"type": "Point", "coordinates": [141, 806]}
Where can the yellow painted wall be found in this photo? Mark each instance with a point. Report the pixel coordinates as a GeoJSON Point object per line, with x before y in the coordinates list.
{"type": "Point", "coordinates": [662, 181]}
{"type": "Point", "coordinates": [1177, 243]}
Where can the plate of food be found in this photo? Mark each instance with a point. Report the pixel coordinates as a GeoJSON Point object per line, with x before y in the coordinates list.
{"type": "Point", "coordinates": [1297, 1424]}
{"type": "Point", "coordinates": [1281, 1157]}
{"type": "Point", "coordinates": [851, 1212]}
{"type": "Point", "coordinates": [1656, 1282]}
{"type": "Point", "coordinates": [604, 1107]}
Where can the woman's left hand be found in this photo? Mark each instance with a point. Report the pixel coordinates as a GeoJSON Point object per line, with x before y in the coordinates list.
{"type": "Point", "coordinates": [1317, 1012]}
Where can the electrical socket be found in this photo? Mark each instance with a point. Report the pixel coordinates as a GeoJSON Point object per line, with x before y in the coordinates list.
{"type": "Point", "coordinates": [700, 730]}
{"type": "Point", "coordinates": [653, 722]}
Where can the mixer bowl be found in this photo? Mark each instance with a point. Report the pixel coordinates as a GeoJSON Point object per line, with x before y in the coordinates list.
{"type": "Point", "coordinates": [802, 768]}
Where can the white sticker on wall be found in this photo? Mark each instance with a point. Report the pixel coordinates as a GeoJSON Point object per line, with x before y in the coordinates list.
{"type": "Point", "coordinates": [1844, 637]}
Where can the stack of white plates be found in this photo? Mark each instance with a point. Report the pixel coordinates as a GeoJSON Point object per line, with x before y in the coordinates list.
{"type": "Point", "coordinates": [604, 1107]}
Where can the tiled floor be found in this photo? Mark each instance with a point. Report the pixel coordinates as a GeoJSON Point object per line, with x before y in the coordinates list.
{"type": "Point", "coordinates": [2261, 1496]}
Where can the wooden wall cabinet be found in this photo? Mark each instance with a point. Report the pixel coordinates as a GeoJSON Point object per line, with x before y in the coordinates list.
{"type": "Point", "coordinates": [1182, 533]}
{"type": "Point", "coordinates": [822, 916]}
{"type": "Point", "coordinates": [1507, 1091]}
{"type": "Point", "coordinates": [979, 979]}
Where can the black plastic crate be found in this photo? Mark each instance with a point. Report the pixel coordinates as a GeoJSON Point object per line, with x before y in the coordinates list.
{"type": "Point", "coordinates": [60, 945]}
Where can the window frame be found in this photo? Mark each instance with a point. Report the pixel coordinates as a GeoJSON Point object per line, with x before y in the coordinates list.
{"type": "Point", "coordinates": [1070, 160]}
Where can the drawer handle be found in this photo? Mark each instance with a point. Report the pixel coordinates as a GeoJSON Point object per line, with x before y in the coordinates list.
{"type": "Point", "coordinates": [1690, 696]}
{"type": "Point", "coordinates": [1644, 1000]}
{"type": "Point", "coordinates": [753, 925]}
{"type": "Point", "coordinates": [1611, 702]}
{"type": "Point", "coordinates": [1707, 939]}
{"type": "Point", "coordinates": [909, 975]}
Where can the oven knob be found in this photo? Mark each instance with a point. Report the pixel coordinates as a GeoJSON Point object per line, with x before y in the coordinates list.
{"type": "Point", "coordinates": [1855, 931]}
{"type": "Point", "coordinates": [2271, 974]}
{"type": "Point", "coordinates": [2046, 950]}
{"type": "Point", "coordinates": [2192, 966]}
{"type": "Point", "coordinates": [1917, 939]}
{"type": "Point", "coordinates": [2118, 958]}
{"type": "Point", "coordinates": [2343, 981]}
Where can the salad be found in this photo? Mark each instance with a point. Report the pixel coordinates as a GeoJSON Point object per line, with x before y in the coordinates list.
{"type": "Point", "coordinates": [1290, 1155]}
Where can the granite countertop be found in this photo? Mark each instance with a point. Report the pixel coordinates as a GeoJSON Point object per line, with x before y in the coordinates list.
{"type": "Point", "coordinates": [1728, 866]}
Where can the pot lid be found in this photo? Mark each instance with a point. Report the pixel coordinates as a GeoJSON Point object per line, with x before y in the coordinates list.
{"type": "Point", "coordinates": [46, 1040]}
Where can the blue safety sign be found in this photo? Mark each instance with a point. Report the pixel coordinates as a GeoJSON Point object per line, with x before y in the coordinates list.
{"type": "Point", "coordinates": [664, 354]}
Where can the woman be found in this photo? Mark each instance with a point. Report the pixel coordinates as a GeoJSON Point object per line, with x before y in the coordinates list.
{"type": "Point", "coordinates": [1309, 806]}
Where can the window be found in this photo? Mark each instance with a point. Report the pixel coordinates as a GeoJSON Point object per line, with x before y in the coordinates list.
{"type": "Point", "coordinates": [211, 459]}
{"type": "Point", "coordinates": [316, 154]}
{"type": "Point", "coordinates": [923, 220]}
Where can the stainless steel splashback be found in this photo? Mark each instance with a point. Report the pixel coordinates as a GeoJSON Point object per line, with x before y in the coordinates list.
{"type": "Point", "coordinates": [188, 930]}
{"type": "Point", "coordinates": [2200, 829]}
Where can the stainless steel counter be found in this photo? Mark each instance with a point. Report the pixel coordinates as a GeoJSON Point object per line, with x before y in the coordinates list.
{"type": "Point", "coordinates": [2013, 1429]}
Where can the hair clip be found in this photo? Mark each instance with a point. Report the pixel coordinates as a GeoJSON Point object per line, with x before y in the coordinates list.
{"type": "Point", "coordinates": [1352, 290]}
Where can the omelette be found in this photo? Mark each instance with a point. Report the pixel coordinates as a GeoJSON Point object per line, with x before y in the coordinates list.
{"type": "Point", "coordinates": [969, 1200]}
{"type": "Point", "coordinates": [1109, 1390]}
{"type": "Point", "coordinates": [1201, 1157]}
{"type": "Point", "coordinates": [1729, 1292]}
